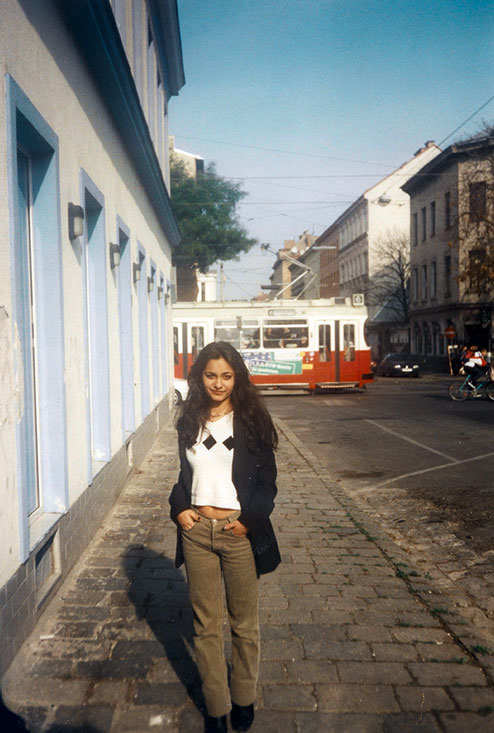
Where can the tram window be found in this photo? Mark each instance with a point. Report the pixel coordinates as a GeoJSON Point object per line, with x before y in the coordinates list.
{"type": "Point", "coordinates": [175, 345]}
{"type": "Point", "coordinates": [348, 342]}
{"type": "Point", "coordinates": [285, 335]}
{"type": "Point", "coordinates": [197, 340]}
{"type": "Point", "coordinates": [324, 342]}
{"type": "Point", "coordinates": [245, 337]}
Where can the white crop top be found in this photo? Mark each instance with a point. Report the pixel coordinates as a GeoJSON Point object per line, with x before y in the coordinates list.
{"type": "Point", "coordinates": [211, 460]}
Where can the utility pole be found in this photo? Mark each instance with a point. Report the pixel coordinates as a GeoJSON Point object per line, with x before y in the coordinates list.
{"type": "Point", "coordinates": [222, 281]}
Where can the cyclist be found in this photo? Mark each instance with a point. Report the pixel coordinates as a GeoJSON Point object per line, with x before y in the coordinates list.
{"type": "Point", "coordinates": [475, 365]}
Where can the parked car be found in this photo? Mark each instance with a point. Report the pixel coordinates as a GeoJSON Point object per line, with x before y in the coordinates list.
{"type": "Point", "coordinates": [398, 365]}
{"type": "Point", "coordinates": [181, 391]}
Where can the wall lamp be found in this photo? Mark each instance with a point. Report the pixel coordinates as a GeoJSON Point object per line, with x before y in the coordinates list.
{"type": "Point", "coordinates": [160, 292]}
{"type": "Point", "coordinates": [150, 284]}
{"type": "Point", "coordinates": [114, 255]}
{"type": "Point", "coordinates": [76, 221]}
{"type": "Point", "coordinates": [136, 271]}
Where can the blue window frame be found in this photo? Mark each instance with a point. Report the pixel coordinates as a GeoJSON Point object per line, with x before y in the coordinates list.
{"type": "Point", "coordinates": [37, 315]}
{"type": "Point", "coordinates": [94, 274]}
{"type": "Point", "coordinates": [142, 295]}
{"type": "Point", "coordinates": [125, 328]}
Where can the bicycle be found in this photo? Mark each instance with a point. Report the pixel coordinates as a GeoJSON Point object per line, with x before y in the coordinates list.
{"type": "Point", "coordinates": [459, 392]}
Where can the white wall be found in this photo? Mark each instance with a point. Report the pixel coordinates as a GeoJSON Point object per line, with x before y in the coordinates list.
{"type": "Point", "coordinates": [44, 62]}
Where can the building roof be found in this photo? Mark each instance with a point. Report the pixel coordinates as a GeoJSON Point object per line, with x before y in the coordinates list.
{"type": "Point", "coordinates": [364, 196]}
{"type": "Point", "coordinates": [456, 151]}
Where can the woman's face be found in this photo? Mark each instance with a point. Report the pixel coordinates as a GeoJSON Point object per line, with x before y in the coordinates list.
{"type": "Point", "coordinates": [218, 379]}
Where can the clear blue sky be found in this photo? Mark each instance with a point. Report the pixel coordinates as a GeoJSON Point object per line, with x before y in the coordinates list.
{"type": "Point", "coordinates": [310, 102]}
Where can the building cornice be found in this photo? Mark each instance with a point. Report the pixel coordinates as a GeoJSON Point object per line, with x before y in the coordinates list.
{"type": "Point", "coordinates": [93, 24]}
{"type": "Point", "coordinates": [165, 24]}
{"type": "Point", "coordinates": [455, 153]}
{"type": "Point", "coordinates": [447, 308]}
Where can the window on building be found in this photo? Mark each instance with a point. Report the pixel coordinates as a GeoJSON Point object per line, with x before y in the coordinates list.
{"type": "Point", "coordinates": [415, 232]}
{"type": "Point", "coordinates": [447, 276]}
{"type": "Point", "coordinates": [424, 282]}
{"type": "Point", "coordinates": [424, 224]}
{"type": "Point", "coordinates": [415, 284]}
{"type": "Point", "coordinates": [433, 218]}
{"type": "Point", "coordinates": [433, 280]}
{"type": "Point", "coordinates": [447, 210]}
{"type": "Point", "coordinates": [477, 200]}
{"type": "Point", "coordinates": [475, 259]}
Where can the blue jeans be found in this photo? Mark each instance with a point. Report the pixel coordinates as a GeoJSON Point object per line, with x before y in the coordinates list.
{"type": "Point", "coordinates": [213, 556]}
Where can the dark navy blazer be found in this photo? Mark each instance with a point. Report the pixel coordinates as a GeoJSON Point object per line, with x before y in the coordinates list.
{"type": "Point", "coordinates": [254, 477]}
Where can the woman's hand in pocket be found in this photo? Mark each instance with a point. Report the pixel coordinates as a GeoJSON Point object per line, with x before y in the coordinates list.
{"type": "Point", "coordinates": [237, 528]}
{"type": "Point", "coordinates": [188, 518]}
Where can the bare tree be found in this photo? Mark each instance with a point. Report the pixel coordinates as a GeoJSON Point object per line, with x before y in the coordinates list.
{"type": "Point", "coordinates": [389, 285]}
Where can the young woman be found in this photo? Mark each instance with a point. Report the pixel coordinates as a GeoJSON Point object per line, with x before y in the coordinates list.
{"type": "Point", "coordinates": [221, 504]}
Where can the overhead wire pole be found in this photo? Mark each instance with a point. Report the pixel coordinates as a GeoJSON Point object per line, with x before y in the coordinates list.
{"type": "Point", "coordinates": [306, 268]}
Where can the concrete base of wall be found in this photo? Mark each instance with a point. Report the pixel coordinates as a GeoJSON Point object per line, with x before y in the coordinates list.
{"type": "Point", "coordinates": [22, 600]}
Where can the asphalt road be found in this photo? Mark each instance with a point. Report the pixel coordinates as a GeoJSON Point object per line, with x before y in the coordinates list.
{"type": "Point", "coordinates": [407, 432]}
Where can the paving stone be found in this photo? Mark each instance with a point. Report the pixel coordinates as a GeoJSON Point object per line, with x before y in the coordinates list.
{"type": "Point", "coordinates": [336, 723]}
{"type": "Point", "coordinates": [356, 698]}
{"type": "Point", "coordinates": [309, 671]}
{"type": "Point", "coordinates": [394, 652]}
{"type": "Point", "coordinates": [329, 649]}
{"type": "Point", "coordinates": [153, 718]}
{"type": "Point", "coordinates": [84, 717]}
{"type": "Point", "coordinates": [474, 698]}
{"type": "Point", "coordinates": [373, 672]}
{"type": "Point", "coordinates": [172, 694]}
{"type": "Point", "coordinates": [282, 649]}
{"type": "Point", "coordinates": [273, 721]}
{"type": "Point", "coordinates": [445, 673]}
{"type": "Point", "coordinates": [289, 697]}
{"type": "Point", "coordinates": [356, 632]}
{"type": "Point", "coordinates": [467, 723]}
{"type": "Point", "coordinates": [414, 634]}
{"type": "Point", "coordinates": [110, 692]}
{"type": "Point", "coordinates": [314, 632]}
{"type": "Point", "coordinates": [411, 723]}
{"type": "Point", "coordinates": [441, 652]}
{"type": "Point", "coordinates": [43, 690]}
{"type": "Point", "coordinates": [424, 699]}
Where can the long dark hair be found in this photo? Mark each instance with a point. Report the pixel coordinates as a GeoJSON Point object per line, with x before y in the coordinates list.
{"type": "Point", "coordinates": [247, 402]}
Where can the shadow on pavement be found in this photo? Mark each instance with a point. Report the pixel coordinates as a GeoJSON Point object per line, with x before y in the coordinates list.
{"type": "Point", "coordinates": [159, 593]}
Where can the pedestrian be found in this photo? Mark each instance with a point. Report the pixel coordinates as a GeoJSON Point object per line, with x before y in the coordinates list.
{"type": "Point", "coordinates": [221, 505]}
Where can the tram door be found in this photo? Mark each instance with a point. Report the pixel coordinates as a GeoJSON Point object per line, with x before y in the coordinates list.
{"type": "Point", "coordinates": [347, 351]}
{"type": "Point", "coordinates": [193, 336]}
{"type": "Point", "coordinates": [327, 337]}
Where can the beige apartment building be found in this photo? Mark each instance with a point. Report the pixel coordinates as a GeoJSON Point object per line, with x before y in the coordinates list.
{"type": "Point", "coordinates": [450, 208]}
{"type": "Point", "coordinates": [349, 259]}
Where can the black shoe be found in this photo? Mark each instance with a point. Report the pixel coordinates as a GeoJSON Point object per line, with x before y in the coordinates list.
{"type": "Point", "coordinates": [215, 725]}
{"type": "Point", "coordinates": [242, 716]}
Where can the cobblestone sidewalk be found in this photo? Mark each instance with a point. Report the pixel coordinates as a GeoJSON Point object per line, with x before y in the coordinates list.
{"type": "Point", "coordinates": [354, 639]}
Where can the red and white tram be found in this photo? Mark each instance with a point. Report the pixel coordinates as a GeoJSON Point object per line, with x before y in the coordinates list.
{"type": "Point", "coordinates": [287, 344]}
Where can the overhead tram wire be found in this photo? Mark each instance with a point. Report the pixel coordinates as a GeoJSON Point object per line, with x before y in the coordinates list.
{"type": "Point", "coordinates": [284, 152]}
{"type": "Point", "coordinates": [467, 120]}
